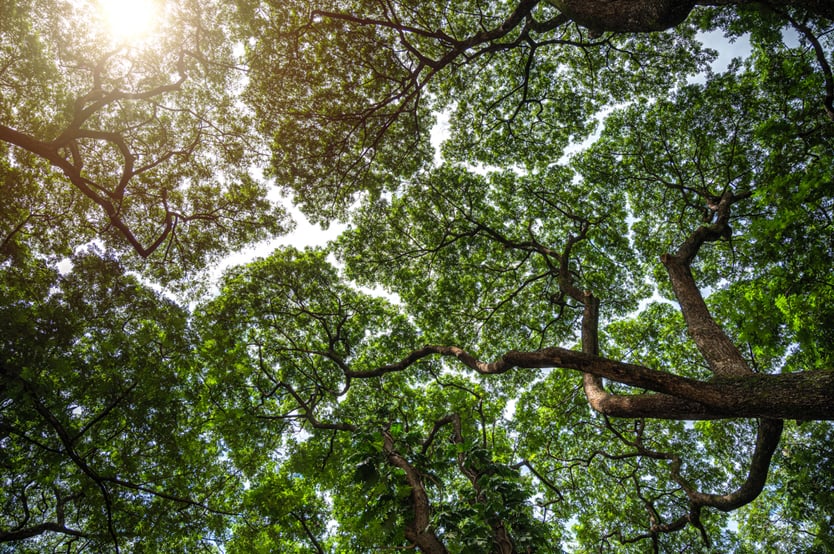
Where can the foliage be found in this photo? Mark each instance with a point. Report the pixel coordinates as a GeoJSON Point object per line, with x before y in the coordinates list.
{"type": "Point", "coordinates": [105, 433]}
{"type": "Point", "coordinates": [143, 145]}
{"type": "Point", "coordinates": [598, 318]}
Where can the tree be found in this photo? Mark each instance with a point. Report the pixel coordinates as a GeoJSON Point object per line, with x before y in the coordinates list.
{"type": "Point", "coordinates": [361, 83]}
{"type": "Point", "coordinates": [396, 439]}
{"type": "Point", "coordinates": [534, 261]}
{"type": "Point", "coordinates": [141, 144]}
{"type": "Point", "coordinates": [105, 429]}
{"type": "Point", "coordinates": [605, 348]}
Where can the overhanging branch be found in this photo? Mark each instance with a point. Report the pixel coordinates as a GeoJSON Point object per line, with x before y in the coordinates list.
{"type": "Point", "coordinates": [754, 395]}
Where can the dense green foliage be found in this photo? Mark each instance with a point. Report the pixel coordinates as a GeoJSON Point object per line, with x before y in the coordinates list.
{"type": "Point", "coordinates": [603, 205]}
{"type": "Point", "coordinates": [144, 146]}
{"type": "Point", "coordinates": [104, 420]}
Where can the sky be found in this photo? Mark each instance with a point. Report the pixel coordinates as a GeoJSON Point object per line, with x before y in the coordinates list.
{"type": "Point", "coordinates": [740, 48]}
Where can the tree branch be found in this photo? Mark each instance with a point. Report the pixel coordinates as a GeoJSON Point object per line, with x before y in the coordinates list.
{"type": "Point", "coordinates": [419, 529]}
{"type": "Point", "coordinates": [767, 439]}
{"type": "Point", "coordinates": [722, 356]}
{"type": "Point", "coordinates": [753, 395]}
{"type": "Point", "coordinates": [39, 529]}
{"type": "Point", "coordinates": [307, 531]}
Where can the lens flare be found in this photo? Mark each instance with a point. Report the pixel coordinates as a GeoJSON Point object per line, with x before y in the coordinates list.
{"type": "Point", "coordinates": [129, 21]}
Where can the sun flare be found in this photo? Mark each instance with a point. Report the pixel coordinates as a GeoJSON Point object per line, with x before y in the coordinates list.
{"type": "Point", "coordinates": [129, 20]}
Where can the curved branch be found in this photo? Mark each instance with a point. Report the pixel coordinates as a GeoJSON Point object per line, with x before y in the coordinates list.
{"type": "Point", "coordinates": [753, 395]}
{"type": "Point", "coordinates": [39, 529]}
{"type": "Point", "coordinates": [98, 99]}
{"type": "Point", "coordinates": [767, 439]}
{"type": "Point", "coordinates": [666, 406]}
{"type": "Point", "coordinates": [419, 529]}
{"type": "Point", "coordinates": [86, 106]}
{"type": "Point", "coordinates": [438, 425]}
{"type": "Point", "coordinates": [721, 354]}
{"type": "Point", "coordinates": [49, 152]}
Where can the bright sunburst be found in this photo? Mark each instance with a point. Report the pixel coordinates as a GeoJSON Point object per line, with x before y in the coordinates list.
{"type": "Point", "coordinates": [129, 20]}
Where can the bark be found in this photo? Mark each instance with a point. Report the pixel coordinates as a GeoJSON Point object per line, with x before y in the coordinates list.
{"type": "Point", "coordinates": [626, 15]}
{"type": "Point", "coordinates": [627, 406]}
{"type": "Point", "coordinates": [802, 396]}
{"type": "Point", "coordinates": [734, 392]}
{"type": "Point", "coordinates": [419, 529]}
{"type": "Point", "coordinates": [637, 16]}
{"type": "Point", "coordinates": [725, 361]}
{"type": "Point", "coordinates": [39, 529]}
{"type": "Point", "coordinates": [647, 405]}
{"type": "Point", "coordinates": [767, 439]}
{"type": "Point", "coordinates": [63, 153]}
{"type": "Point", "coordinates": [718, 350]}
{"type": "Point", "coordinates": [715, 346]}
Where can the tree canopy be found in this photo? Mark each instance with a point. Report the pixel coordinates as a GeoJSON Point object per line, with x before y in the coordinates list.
{"type": "Point", "coordinates": [143, 145]}
{"type": "Point", "coordinates": [598, 317]}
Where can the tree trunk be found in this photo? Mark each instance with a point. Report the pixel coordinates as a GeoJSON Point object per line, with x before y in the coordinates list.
{"type": "Point", "coordinates": [419, 529]}
{"type": "Point", "coordinates": [638, 16]}
{"type": "Point", "coordinates": [626, 16]}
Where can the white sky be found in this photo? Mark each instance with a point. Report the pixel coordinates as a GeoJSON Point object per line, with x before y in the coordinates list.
{"type": "Point", "coordinates": [726, 50]}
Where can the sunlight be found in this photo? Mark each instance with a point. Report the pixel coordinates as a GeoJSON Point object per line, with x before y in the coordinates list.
{"type": "Point", "coordinates": [129, 20]}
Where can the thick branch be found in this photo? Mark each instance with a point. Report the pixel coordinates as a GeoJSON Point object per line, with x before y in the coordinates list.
{"type": "Point", "coordinates": [715, 346]}
{"type": "Point", "coordinates": [626, 15]}
{"type": "Point", "coordinates": [617, 405]}
{"type": "Point", "coordinates": [35, 530]}
{"type": "Point", "coordinates": [767, 439]}
{"type": "Point", "coordinates": [49, 152]}
{"type": "Point", "coordinates": [85, 107]}
{"type": "Point", "coordinates": [646, 405]}
{"type": "Point", "coordinates": [419, 529]}
{"type": "Point", "coordinates": [641, 16]}
{"type": "Point", "coordinates": [803, 395]}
